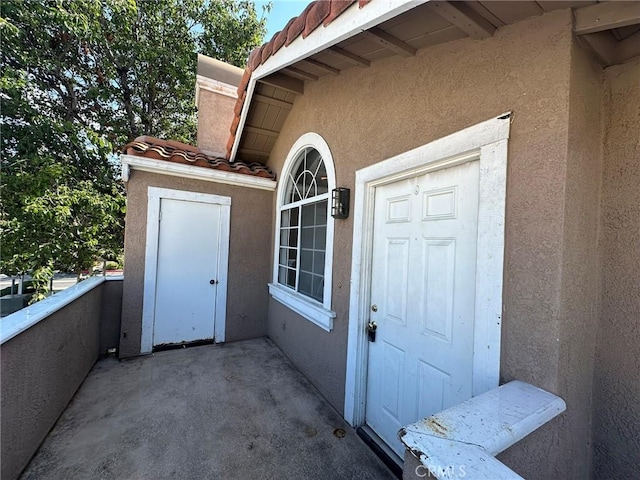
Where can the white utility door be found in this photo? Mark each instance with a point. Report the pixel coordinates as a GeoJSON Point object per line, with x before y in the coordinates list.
{"type": "Point", "coordinates": [422, 298]}
{"type": "Point", "coordinates": [187, 271]}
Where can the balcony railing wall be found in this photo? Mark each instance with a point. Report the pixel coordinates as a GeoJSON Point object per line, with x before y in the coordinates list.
{"type": "Point", "coordinates": [47, 351]}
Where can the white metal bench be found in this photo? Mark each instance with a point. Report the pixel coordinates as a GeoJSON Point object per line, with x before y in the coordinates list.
{"type": "Point", "coordinates": [461, 442]}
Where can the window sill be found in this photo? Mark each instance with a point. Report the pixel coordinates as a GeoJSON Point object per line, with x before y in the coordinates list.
{"type": "Point", "coordinates": [309, 309]}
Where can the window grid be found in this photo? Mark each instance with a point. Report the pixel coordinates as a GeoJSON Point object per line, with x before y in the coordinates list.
{"type": "Point", "coordinates": [303, 227]}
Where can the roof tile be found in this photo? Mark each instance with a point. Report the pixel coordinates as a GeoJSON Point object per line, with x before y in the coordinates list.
{"type": "Point", "coordinates": [234, 125]}
{"type": "Point", "coordinates": [237, 110]}
{"type": "Point", "coordinates": [279, 40]}
{"type": "Point", "coordinates": [232, 139]}
{"type": "Point", "coordinates": [266, 51]}
{"type": "Point", "coordinates": [229, 145]}
{"type": "Point", "coordinates": [254, 59]}
{"type": "Point", "coordinates": [180, 146]}
{"type": "Point", "coordinates": [337, 7]}
{"type": "Point", "coordinates": [176, 152]}
{"type": "Point", "coordinates": [244, 81]}
{"type": "Point", "coordinates": [317, 12]}
{"type": "Point", "coordinates": [273, 43]}
{"type": "Point", "coordinates": [296, 27]}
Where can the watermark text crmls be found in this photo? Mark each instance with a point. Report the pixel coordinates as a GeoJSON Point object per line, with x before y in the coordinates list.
{"type": "Point", "coordinates": [439, 471]}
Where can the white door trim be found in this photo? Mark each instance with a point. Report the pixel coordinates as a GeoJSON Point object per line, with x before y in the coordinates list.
{"type": "Point", "coordinates": [154, 195]}
{"type": "Point", "coordinates": [486, 142]}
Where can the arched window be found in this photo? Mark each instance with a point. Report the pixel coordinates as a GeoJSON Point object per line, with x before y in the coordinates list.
{"type": "Point", "coordinates": [304, 231]}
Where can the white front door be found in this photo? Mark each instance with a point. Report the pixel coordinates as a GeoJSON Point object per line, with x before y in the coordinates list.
{"type": "Point", "coordinates": [187, 278]}
{"type": "Point", "coordinates": [422, 298]}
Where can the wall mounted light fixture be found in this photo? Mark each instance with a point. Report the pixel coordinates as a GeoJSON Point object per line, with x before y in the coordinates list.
{"type": "Point", "coordinates": [340, 202]}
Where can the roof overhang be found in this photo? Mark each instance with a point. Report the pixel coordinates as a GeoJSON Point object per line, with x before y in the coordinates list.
{"type": "Point", "coordinates": [133, 162]}
{"type": "Point", "coordinates": [352, 22]}
{"type": "Point", "coordinates": [360, 32]}
{"type": "Point", "coordinates": [603, 29]}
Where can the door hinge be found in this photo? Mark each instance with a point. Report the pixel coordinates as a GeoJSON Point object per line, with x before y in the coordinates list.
{"type": "Point", "coordinates": [159, 216]}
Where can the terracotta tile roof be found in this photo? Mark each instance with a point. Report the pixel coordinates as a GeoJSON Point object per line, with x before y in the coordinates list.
{"type": "Point", "coordinates": [172, 151]}
{"type": "Point", "coordinates": [320, 12]}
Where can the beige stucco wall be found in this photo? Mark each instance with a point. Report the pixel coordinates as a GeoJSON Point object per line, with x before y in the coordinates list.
{"type": "Point", "coordinates": [616, 426]}
{"type": "Point", "coordinates": [215, 101]}
{"type": "Point", "coordinates": [368, 115]}
{"type": "Point", "coordinates": [580, 286]}
{"type": "Point", "coordinates": [42, 367]}
{"type": "Point", "coordinates": [249, 256]}
{"type": "Point", "coordinates": [215, 114]}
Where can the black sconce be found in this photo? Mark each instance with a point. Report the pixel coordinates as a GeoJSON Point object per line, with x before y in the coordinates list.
{"type": "Point", "coordinates": [340, 202]}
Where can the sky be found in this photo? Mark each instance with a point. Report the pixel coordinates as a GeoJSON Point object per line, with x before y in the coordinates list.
{"type": "Point", "coordinates": [281, 12]}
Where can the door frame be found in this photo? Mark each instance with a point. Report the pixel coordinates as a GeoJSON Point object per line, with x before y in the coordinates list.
{"type": "Point", "coordinates": [487, 143]}
{"type": "Point", "coordinates": [154, 196]}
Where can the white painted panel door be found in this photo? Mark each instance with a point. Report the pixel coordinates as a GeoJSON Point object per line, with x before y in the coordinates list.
{"type": "Point", "coordinates": [422, 296]}
{"type": "Point", "coordinates": [188, 251]}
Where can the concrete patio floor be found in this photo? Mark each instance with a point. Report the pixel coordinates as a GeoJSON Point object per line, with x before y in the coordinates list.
{"type": "Point", "coordinates": [239, 410]}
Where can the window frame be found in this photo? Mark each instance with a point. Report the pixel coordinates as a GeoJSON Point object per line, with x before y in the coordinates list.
{"type": "Point", "coordinates": [319, 313]}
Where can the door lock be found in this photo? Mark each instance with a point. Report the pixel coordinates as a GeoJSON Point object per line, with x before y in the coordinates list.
{"type": "Point", "coordinates": [213, 282]}
{"type": "Point", "coordinates": [371, 331]}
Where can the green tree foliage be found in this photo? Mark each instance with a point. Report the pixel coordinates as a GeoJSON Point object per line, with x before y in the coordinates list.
{"type": "Point", "coordinates": [79, 79]}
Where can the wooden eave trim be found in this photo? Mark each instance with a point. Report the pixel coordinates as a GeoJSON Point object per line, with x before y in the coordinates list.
{"type": "Point", "coordinates": [607, 51]}
{"type": "Point", "coordinates": [261, 131]}
{"type": "Point", "coordinates": [390, 42]}
{"type": "Point", "coordinates": [284, 82]}
{"type": "Point", "coordinates": [299, 73]}
{"type": "Point", "coordinates": [252, 151]}
{"type": "Point", "coordinates": [465, 18]}
{"type": "Point", "coordinates": [350, 57]}
{"type": "Point", "coordinates": [605, 16]}
{"type": "Point", "coordinates": [350, 23]}
{"type": "Point", "coordinates": [628, 48]}
{"type": "Point", "coordinates": [323, 66]}
{"type": "Point", "coordinates": [272, 101]}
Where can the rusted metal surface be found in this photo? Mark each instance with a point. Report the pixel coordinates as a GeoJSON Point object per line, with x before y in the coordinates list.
{"type": "Point", "coordinates": [436, 426]}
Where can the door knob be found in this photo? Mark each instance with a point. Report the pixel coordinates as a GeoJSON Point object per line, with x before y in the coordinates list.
{"type": "Point", "coordinates": [213, 282]}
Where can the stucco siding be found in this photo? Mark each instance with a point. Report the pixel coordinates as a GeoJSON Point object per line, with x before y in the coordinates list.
{"type": "Point", "coordinates": [41, 369]}
{"type": "Point", "coordinates": [617, 363]}
{"type": "Point", "coordinates": [215, 114]}
{"type": "Point", "coordinates": [367, 115]}
{"type": "Point", "coordinates": [249, 256]}
{"type": "Point", "coordinates": [580, 287]}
